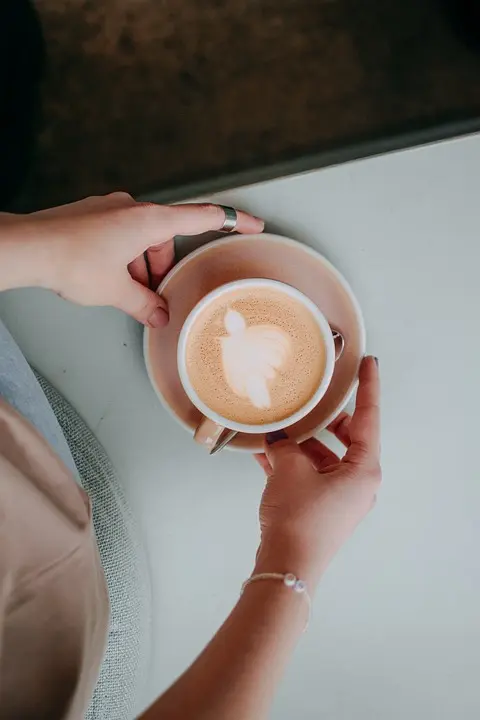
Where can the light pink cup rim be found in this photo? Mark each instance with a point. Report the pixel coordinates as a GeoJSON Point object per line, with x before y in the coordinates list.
{"type": "Point", "coordinates": [273, 238]}
{"type": "Point", "coordinates": [320, 320]}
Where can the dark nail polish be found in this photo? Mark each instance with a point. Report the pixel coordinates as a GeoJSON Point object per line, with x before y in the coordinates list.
{"type": "Point", "coordinates": [376, 361]}
{"type": "Point", "coordinates": [273, 437]}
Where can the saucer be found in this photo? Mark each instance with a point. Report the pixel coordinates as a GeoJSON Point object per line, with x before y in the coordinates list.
{"type": "Point", "coordinates": [246, 256]}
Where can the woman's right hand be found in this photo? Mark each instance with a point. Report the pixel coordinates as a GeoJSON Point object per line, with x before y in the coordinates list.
{"type": "Point", "coordinates": [313, 500]}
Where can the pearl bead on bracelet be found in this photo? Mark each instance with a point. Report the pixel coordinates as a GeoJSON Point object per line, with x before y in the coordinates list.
{"type": "Point", "coordinates": [290, 581]}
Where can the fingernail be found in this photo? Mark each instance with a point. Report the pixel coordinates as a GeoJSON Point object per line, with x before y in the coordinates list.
{"type": "Point", "coordinates": [273, 437]}
{"type": "Point", "coordinates": [376, 360]}
{"type": "Point", "coordinates": [158, 319]}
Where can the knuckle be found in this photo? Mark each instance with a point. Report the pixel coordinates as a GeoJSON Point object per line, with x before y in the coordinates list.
{"type": "Point", "coordinates": [147, 208]}
{"type": "Point", "coordinates": [362, 448]}
{"type": "Point", "coordinates": [120, 195]}
{"type": "Point", "coordinates": [212, 210]}
{"type": "Point", "coordinates": [294, 460]}
{"type": "Point", "coordinates": [144, 214]}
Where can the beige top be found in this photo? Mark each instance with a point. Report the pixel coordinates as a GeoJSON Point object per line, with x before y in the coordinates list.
{"type": "Point", "coordinates": [53, 598]}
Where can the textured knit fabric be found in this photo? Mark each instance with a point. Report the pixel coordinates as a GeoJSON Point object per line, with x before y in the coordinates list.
{"type": "Point", "coordinates": [122, 556]}
{"type": "Point", "coordinates": [123, 559]}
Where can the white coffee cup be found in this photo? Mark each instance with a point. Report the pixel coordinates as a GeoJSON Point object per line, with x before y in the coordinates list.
{"type": "Point", "coordinates": [214, 425]}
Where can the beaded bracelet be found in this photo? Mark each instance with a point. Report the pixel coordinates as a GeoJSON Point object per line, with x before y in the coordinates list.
{"type": "Point", "coordinates": [290, 581]}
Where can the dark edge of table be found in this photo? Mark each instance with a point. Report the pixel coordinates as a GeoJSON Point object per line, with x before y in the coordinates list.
{"type": "Point", "coordinates": [346, 152]}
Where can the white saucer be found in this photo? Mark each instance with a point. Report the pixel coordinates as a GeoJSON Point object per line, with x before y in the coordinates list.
{"type": "Point", "coordinates": [243, 256]}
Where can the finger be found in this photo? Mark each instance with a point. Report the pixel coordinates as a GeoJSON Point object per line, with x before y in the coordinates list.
{"type": "Point", "coordinates": [148, 224]}
{"type": "Point", "coordinates": [284, 455]}
{"type": "Point", "coordinates": [319, 454]}
{"type": "Point", "coordinates": [340, 427]}
{"type": "Point", "coordinates": [161, 259]}
{"type": "Point", "coordinates": [365, 422]}
{"type": "Point", "coordinates": [262, 460]}
{"type": "Point", "coordinates": [139, 271]}
{"type": "Point", "coordinates": [196, 218]}
{"type": "Point", "coordinates": [143, 304]}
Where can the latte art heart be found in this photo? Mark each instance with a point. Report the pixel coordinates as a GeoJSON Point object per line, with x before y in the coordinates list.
{"type": "Point", "coordinates": [251, 357]}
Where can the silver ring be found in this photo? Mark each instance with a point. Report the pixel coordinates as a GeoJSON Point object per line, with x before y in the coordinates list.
{"type": "Point", "coordinates": [230, 222]}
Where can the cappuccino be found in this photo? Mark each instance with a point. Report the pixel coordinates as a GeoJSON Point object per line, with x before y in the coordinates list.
{"type": "Point", "coordinates": [255, 355]}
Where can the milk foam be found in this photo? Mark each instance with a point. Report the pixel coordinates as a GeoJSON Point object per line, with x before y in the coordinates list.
{"type": "Point", "coordinates": [255, 355]}
{"type": "Point", "coordinates": [251, 357]}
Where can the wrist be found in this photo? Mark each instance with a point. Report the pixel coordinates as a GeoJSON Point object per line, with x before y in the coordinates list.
{"type": "Point", "coordinates": [26, 259]}
{"type": "Point", "coordinates": [283, 554]}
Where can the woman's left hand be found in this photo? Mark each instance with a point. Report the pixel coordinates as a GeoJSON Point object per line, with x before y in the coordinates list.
{"type": "Point", "coordinates": [313, 499]}
{"type": "Point", "coordinates": [111, 250]}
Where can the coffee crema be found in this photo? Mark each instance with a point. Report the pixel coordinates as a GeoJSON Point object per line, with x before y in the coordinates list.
{"type": "Point", "coordinates": [255, 355]}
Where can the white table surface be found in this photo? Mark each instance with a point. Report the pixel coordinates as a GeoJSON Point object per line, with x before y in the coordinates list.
{"type": "Point", "coordinates": [396, 626]}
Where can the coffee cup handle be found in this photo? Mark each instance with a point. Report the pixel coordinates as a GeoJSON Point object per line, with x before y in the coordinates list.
{"type": "Point", "coordinates": [213, 436]}
{"type": "Point", "coordinates": [208, 433]}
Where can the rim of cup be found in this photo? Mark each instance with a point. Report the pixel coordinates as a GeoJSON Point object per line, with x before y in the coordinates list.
{"type": "Point", "coordinates": [294, 417]}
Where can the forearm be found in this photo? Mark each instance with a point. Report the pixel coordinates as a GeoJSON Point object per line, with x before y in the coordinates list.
{"type": "Point", "coordinates": [26, 260]}
{"type": "Point", "coordinates": [236, 675]}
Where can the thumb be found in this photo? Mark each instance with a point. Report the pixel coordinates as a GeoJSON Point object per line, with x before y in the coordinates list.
{"type": "Point", "coordinates": [284, 454]}
{"type": "Point", "coordinates": [143, 304]}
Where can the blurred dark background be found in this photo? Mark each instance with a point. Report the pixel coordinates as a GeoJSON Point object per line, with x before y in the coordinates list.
{"type": "Point", "coordinates": [22, 64]}
{"type": "Point", "coordinates": [184, 95]}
